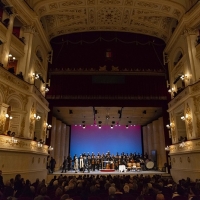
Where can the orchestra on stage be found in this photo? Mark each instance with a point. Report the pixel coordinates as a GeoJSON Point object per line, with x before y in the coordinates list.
{"type": "Point", "coordinates": [87, 162]}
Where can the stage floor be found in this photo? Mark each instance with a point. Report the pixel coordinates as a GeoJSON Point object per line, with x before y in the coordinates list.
{"type": "Point", "coordinates": [115, 172]}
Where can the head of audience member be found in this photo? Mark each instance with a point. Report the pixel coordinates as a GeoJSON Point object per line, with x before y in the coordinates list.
{"type": "Point", "coordinates": [126, 188]}
{"type": "Point", "coordinates": [160, 197]}
{"type": "Point", "coordinates": [65, 197]}
{"type": "Point", "coordinates": [111, 190]}
{"type": "Point", "coordinates": [58, 192]}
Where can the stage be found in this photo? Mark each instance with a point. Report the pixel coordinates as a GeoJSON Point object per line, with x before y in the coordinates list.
{"type": "Point", "coordinates": [112, 173]}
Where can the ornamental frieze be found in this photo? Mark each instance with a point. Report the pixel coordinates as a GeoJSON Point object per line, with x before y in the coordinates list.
{"type": "Point", "coordinates": [189, 146]}
{"type": "Point", "coordinates": [72, 3]}
{"type": "Point", "coordinates": [19, 144]}
{"type": "Point", "coordinates": [53, 6]}
{"type": "Point", "coordinates": [91, 16]}
{"type": "Point", "coordinates": [148, 5]}
{"type": "Point", "coordinates": [113, 2]}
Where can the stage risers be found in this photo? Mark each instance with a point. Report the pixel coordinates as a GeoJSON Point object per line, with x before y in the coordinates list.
{"type": "Point", "coordinates": [114, 173]}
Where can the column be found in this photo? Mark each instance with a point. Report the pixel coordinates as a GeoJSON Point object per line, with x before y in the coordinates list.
{"type": "Point", "coordinates": [53, 135]}
{"type": "Point", "coordinates": [162, 152]}
{"type": "Point", "coordinates": [67, 140]}
{"type": "Point", "coordinates": [62, 143]}
{"type": "Point", "coordinates": [149, 133]}
{"type": "Point", "coordinates": [6, 45]}
{"type": "Point", "coordinates": [29, 32]}
{"type": "Point", "coordinates": [3, 112]}
{"type": "Point", "coordinates": [156, 143]}
{"type": "Point", "coordinates": [145, 139]}
{"type": "Point", "coordinates": [57, 144]}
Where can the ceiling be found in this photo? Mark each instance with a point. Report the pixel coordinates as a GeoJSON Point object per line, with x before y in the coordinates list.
{"type": "Point", "coordinates": [157, 18]}
{"type": "Point", "coordinates": [107, 115]}
{"type": "Point", "coordinates": [150, 17]}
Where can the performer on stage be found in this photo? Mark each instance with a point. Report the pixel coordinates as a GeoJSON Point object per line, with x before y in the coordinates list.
{"type": "Point", "coordinates": [64, 165]}
{"type": "Point", "coordinates": [98, 161]}
{"type": "Point", "coordinates": [76, 164]}
{"type": "Point", "coordinates": [93, 162]}
{"type": "Point", "coordinates": [81, 163]}
{"type": "Point", "coordinates": [69, 162]}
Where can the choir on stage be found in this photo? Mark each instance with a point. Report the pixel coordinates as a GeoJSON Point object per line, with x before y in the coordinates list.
{"type": "Point", "coordinates": [87, 162]}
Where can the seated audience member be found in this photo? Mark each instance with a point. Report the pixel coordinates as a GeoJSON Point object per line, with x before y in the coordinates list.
{"type": "Point", "coordinates": [65, 197]}
{"type": "Point", "coordinates": [160, 197]}
{"type": "Point", "coordinates": [111, 192]}
{"type": "Point", "coordinates": [42, 194]}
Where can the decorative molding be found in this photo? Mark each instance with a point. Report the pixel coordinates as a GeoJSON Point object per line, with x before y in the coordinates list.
{"type": "Point", "coordinates": [190, 146]}
{"type": "Point", "coordinates": [189, 120]}
{"type": "Point", "coordinates": [23, 145]}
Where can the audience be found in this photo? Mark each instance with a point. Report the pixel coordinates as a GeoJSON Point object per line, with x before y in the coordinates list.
{"type": "Point", "coordinates": [90, 187]}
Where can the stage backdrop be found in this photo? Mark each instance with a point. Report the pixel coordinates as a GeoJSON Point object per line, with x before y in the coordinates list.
{"type": "Point", "coordinates": [92, 139]}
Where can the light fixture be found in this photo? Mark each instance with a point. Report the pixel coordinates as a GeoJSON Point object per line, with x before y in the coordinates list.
{"type": "Point", "coordinates": [182, 144]}
{"type": "Point", "coordinates": [111, 126]}
{"type": "Point", "coordinates": [48, 126]}
{"type": "Point", "coordinates": [37, 117]}
{"type": "Point", "coordinates": [45, 89]}
{"type": "Point", "coordinates": [126, 126]}
{"type": "Point", "coordinates": [50, 148]}
{"type": "Point", "coordinates": [40, 144]}
{"type": "Point", "coordinates": [171, 90]}
{"type": "Point", "coordinates": [167, 148]}
{"type": "Point", "coordinates": [99, 126]}
{"type": "Point", "coordinates": [11, 58]}
{"type": "Point", "coordinates": [83, 125]}
{"type": "Point", "coordinates": [182, 77]}
{"type": "Point", "coordinates": [107, 117]}
{"type": "Point", "coordinates": [168, 126]}
{"type": "Point", "coordinates": [14, 141]}
{"type": "Point", "coordinates": [8, 116]}
{"type": "Point", "coordinates": [183, 118]}
{"type": "Point", "coordinates": [35, 76]}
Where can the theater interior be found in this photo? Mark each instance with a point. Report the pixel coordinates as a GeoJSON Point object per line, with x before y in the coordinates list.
{"type": "Point", "coordinates": [99, 76]}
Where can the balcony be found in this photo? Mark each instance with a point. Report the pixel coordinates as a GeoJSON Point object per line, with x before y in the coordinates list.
{"type": "Point", "coordinates": [17, 45]}
{"type": "Point", "coordinates": [18, 84]}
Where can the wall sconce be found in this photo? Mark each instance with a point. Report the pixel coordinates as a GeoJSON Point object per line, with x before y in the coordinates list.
{"type": "Point", "coordinates": [3, 118]}
{"type": "Point", "coordinates": [168, 126]}
{"type": "Point", "coordinates": [184, 77]}
{"type": "Point", "coordinates": [99, 126]}
{"type": "Point", "coordinates": [11, 58]}
{"type": "Point", "coordinates": [7, 116]}
{"type": "Point", "coordinates": [126, 126]}
{"type": "Point", "coordinates": [13, 140]}
{"type": "Point", "coordinates": [49, 126]}
{"type": "Point", "coordinates": [40, 144]}
{"type": "Point", "coordinates": [167, 148]}
{"type": "Point", "coordinates": [35, 76]}
{"type": "Point", "coordinates": [182, 144]}
{"type": "Point", "coordinates": [183, 118]}
{"type": "Point", "coordinates": [37, 117]}
{"type": "Point", "coordinates": [111, 126]}
{"type": "Point", "coordinates": [50, 148]}
{"type": "Point", "coordinates": [171, 90]}
{"type": "Point", "coordinates": [45, 89]}
{"type": "Point", "coordinates": [83, 125]}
